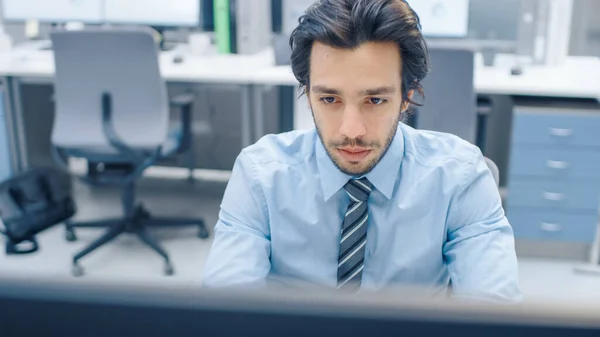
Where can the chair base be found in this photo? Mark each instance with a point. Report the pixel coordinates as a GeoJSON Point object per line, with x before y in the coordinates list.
{"type": "Point", "coordinates": [137, 224]}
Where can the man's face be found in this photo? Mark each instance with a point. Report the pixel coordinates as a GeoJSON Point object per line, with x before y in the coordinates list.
{"type": "Point", "coordinates": [356, 100]}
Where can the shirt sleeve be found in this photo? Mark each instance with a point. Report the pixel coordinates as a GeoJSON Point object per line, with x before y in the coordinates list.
{"type": "Point", "coordinates": [480, 251]}
{"type": "Point", "coordinates": [240, 253]}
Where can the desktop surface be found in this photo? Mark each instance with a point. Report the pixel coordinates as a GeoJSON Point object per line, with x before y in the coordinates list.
{"type": "Point", "coordinates": [34, 60]}
{"type": "Point", "coordinates": [68, 308]}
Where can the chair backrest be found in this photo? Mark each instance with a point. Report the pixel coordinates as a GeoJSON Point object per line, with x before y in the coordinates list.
{"type": "Point", "coordinates": [121, 62]}
{"type": "Point", "coordinates": [450, 100]}
{"type": "Point", "coordinates": [282, 49]}
{"type": "Point", "coordinates": [494, 169]}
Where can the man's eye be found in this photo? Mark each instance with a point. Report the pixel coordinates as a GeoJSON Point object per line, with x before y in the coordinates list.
{"type": "Point", "coordinates": [377, 100]}
{"type": "Point", "coordinates": [328, 100]}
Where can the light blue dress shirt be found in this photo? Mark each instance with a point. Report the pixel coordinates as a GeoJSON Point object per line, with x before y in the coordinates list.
{"type": "Point", "coordinates": [435, 216]}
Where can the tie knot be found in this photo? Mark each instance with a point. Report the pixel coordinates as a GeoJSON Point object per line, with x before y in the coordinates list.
{"type": "Point", "coordinates": [359, 189]}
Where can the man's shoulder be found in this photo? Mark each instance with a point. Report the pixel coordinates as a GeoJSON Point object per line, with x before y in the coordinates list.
{"type": "Point", "coordinates": [289, 148]}
{"type": "Point", "coordinates": [433, 148]}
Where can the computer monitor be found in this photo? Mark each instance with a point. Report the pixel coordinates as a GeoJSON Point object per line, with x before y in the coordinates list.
{"type": "Point", "coordinates": [443, 18]}
{"type": "Point", "coordinates": [34, 306]}
{"type": "Point", "coordinates": [291, 11]}
{"type": "Point", "coordinates": [439, 18]}
{"type": "Point", "coordinates": [53, 11]}
{"type": "Point", "coordinates": [158, 13]}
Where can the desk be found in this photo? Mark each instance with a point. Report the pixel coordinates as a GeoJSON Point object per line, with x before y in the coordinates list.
{"type": "Point", "coordinates": [29, 65]}
{"type": "Point", "coordinates": [577, 78]}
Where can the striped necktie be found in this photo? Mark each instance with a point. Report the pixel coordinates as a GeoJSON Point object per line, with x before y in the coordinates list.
{"type": "Point", "coordinates": [354, 235]}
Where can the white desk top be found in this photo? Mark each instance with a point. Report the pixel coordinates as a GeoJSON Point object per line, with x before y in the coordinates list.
{"type": "Point", "coordinates": [579, 77]}
{"type": "Point", "coordinates": [232, 69]}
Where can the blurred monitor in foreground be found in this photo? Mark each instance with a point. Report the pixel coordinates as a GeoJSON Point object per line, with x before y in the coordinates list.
{"type": "Point", "coordinates": [73, 308]}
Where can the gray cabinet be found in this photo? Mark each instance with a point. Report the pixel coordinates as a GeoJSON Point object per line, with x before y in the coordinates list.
{"type": "Point", "coordinates": [5, 165]}
{"type": "Point", "coordinates": [554, 174]}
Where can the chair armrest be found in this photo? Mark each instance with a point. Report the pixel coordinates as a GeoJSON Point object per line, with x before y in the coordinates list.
{"type": "Point", "coordinates": [110, 132]}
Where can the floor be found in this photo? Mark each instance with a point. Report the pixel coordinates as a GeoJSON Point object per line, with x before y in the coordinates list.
{"type": "Point", "coordinates": [128, 260]}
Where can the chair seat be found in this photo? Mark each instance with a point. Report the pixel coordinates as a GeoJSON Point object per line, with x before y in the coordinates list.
{"type": "Point", "coordinates": [108, 154]}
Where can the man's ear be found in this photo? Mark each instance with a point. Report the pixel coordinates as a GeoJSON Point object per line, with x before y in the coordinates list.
{"type": "Point", "coordinates": [406, 103]}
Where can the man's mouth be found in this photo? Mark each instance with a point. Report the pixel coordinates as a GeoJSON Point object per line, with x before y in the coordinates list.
{"type": "Point", "coordinates": [353, 154]}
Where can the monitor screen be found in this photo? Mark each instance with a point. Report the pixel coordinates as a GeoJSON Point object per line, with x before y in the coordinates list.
{"type": "Point", "coordinates": [291, 11]}
{"type": "Point", "coordinates": [443, 18]}
{"type": "Point", "coordinates": [88, 11]}
{"type": "Point", "coordinates": [439, 18]}
{"type": "Point", "coordinates": [167, 13]}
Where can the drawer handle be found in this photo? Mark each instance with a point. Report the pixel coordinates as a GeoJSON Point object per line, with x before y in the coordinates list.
{"type": "Point", "coordinates": [552, 196]}
{"type": "Point", "coordinates": [550, 227]}
{"type": "Point", "coordinates": [557, 164]}
{"type": "Point", "coordinates": [561, 132]}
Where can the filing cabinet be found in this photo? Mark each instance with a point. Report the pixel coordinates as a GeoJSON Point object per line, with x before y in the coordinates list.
{"type": "Point", "coordinates": [5, 162]}
{"type": "Point", "coordinates": [554, 173]}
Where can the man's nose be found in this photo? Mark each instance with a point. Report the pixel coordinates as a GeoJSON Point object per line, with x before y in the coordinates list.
{"type": "Point", "coordinates": [353, 125]}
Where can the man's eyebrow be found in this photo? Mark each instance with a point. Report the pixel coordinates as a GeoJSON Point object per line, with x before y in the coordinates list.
{"type": "Point", "coordinates": [379, 91]}
{"type": "Point", "coordinates": [321, 89]}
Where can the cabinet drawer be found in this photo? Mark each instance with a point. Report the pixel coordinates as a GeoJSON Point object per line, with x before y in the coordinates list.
{"type": "Point", "coordinates": [553, 226]}
{"type": "Point", "coordinates": [554, 194]}
{"type": "Point", "coordinates": [579, 129]}
{"type": "Point", "coordinates": [552, 162]}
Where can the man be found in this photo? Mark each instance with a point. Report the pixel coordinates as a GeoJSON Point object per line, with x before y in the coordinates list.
{"type": "Point", "coordinates": [364, 201]}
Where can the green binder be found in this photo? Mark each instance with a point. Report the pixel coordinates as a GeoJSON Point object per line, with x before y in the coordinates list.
{"type": "Point", "coordinates": [222, 26]}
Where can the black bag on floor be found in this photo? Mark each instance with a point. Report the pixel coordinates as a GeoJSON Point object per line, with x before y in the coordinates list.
{"type": "Point", "coordinates": [31, 202]}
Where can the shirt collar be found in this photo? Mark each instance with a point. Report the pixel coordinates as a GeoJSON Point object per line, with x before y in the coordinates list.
{"type": "Point", "coordinates": [383, 176]}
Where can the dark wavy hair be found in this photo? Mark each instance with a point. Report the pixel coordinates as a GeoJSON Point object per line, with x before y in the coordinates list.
{"type": "Point", "coordinates": [349, 23]}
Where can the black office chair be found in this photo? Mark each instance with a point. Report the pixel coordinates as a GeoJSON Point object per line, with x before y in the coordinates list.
{"type": "Point", "coordinates": [112, 109]}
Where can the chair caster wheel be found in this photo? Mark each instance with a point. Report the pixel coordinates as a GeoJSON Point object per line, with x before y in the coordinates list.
{"type": "Point", "coordinates": [77, 270]}
{"type": "Point", "coordinates": [169, 269]}
{"type": "Point", "coordinates": [143, 212]}
{"type": "Point", "coordinates": [70, 235]}
{"type": "Point", "coordinates": [203, 233]}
